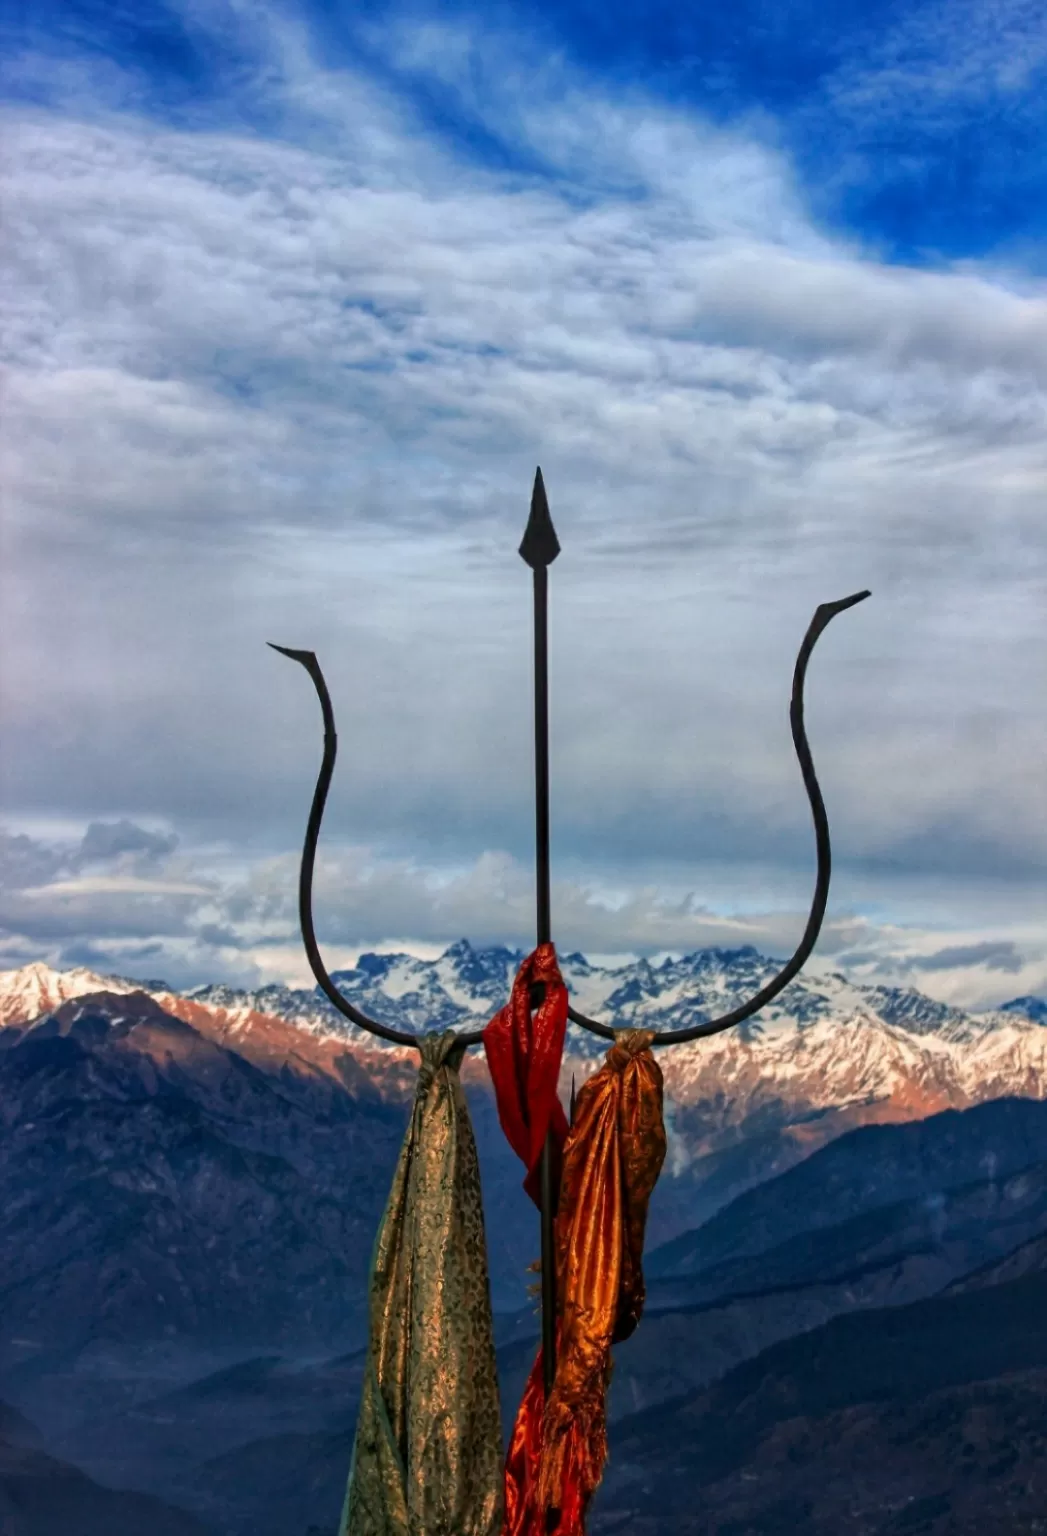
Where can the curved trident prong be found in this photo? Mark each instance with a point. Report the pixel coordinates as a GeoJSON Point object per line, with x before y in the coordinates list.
{"type": "Point", "coordinates": [823, 615]}
{"type": "Point", "coordinates": [305, 875]}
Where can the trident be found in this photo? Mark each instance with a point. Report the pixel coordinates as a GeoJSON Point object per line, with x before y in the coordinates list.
{"type": "Point", "coordinates": [539, 548]}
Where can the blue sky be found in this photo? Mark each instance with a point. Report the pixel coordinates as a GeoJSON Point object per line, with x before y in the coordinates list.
{"type": "Point", "coordinates": [297, 297]}
{"type": "Point", "coordinates": [917, 128]}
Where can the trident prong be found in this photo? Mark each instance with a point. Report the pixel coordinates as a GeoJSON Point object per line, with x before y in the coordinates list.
{"type": "Point", "coordinates": [823, 616]}
{"type": "Point", "coordinates": [305, 874]}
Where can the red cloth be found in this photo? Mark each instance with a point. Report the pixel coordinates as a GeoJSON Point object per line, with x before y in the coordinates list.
{"type": "Point", "coordinates": [523, 1055]}
{"type": "Point", "coordinates": [524, 1509]}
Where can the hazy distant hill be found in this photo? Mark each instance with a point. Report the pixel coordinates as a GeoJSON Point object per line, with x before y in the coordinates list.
{"type": "Point", "coordinates": [869, 1167]}
{"type": "Point", "coordinates": [701, 1322]}
{"type": "Point", "coordinates": [925, 1418]}
{"type": "Point", "coordinates": [41, 1496]}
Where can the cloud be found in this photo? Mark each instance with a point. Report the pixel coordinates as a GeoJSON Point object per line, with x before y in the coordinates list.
{"type": "Point", "coordinates": [104, 841]}
{"type": "Point", "coordinates": [25, 861]}
{"type": "Point", "coordinates": [938, 62]}
{"type": "Point", "coordinates": [926, 130]}
{"type": "Point", "coordinates": [293, 386]}
{"type": "Point", "coordinates": [118, 882]}
{"type": "Point", "coordinates": [188, 925]}
{"type": "Point", "coordinates": [1002, 956]}
{"type": "Point", "coordinates": [108, 849]}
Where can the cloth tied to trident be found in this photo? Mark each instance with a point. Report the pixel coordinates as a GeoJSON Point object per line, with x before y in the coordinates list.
{"type": "Point", "coordinates": [606, 1164]}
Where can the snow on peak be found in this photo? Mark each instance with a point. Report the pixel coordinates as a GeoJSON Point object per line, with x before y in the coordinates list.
{"type": "Point", "coordinates": [37, 989]}
{"type": "Point", "coordinates": [822, 1016]}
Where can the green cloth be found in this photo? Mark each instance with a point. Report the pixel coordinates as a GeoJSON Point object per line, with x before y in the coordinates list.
{"type": "Point", "coordinates": [427, 1459]}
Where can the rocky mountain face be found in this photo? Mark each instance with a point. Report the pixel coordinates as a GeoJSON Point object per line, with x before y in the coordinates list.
{"type": "Point", "coordinates": [156, 1182]}
{"type": "Point", "coordinates": [1034, 1008]}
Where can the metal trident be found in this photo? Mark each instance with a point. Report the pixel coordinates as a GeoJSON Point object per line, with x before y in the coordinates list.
{"type": "Point", "coordinates": [539, 548]}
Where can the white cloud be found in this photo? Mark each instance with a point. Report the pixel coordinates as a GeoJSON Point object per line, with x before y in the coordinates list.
{"type": "Point", "coordinates": [243, 927]}
{"type": "Point", "coordinates": [940, 60]}
{"type": "Point", "coordinates": [294, 391]}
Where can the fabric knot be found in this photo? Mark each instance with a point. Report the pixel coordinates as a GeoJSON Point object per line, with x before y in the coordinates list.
{"type": "Point", "coordinates": [437, 1049]}
{"type": "Point", "coordinates": [628, 1044]}
{"type": "Point", "coordinates": [544, 966]}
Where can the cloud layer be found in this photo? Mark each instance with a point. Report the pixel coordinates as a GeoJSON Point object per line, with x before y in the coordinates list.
{"type": "Point", "coordinates": [128, 901]}
{"type": "Point", "coordinates": [292, 386]}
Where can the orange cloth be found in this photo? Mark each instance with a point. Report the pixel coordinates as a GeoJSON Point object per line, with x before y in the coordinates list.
{"type": "Point", "coordinates": [611, 1162]}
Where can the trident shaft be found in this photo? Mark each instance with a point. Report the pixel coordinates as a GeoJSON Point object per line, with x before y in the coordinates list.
{"type": "Point", "coordinates": [539, 548]}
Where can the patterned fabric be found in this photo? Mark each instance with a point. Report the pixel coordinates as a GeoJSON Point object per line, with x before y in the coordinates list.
{"type": "Point", "coordinates": [427, 1458]}
{"type": "Point", "coordinates": [523, 1055]}
{"type": "Point", "coordinates": [611, 1161]}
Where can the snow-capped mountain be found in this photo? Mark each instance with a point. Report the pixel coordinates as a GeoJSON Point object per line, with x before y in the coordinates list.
{"type": "Point", "coordinates": [466, 986]}
{"type": "Point", "coordinates": [826, 1055]}
{"type": "Point", "coordinates": [37, 990]}
{"type": "Point", "coordinates": [872, 1036]}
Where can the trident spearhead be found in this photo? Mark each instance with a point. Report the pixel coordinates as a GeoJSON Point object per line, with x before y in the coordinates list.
{"type": "Point", "coordinates": [539, 545]}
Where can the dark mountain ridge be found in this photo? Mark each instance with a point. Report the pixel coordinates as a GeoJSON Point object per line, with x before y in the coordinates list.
{"type": "Point", "coordinates": [698, 1328]}
{"type": "Point", "coordinates": [872, 1166]}
{"type": "Point", "coordinates": [42, 1496]}
{"type": "Point", "coordinates": [154, 1183]}
{"type": "Point", "coordinates": [810, 1431]}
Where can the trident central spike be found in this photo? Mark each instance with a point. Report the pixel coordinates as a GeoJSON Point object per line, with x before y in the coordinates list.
{"type": "Point", "coordinates": [540, 547]}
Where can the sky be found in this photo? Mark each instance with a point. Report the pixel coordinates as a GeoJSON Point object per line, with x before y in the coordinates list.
{"type": "Point", "coordinates": [295, 298]}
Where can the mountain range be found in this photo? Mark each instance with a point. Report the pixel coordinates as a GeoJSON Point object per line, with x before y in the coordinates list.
{"type": "Point", "coordinates": [190, 1183]}
{"type": "Point", "coordinates": [824, 1056]}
